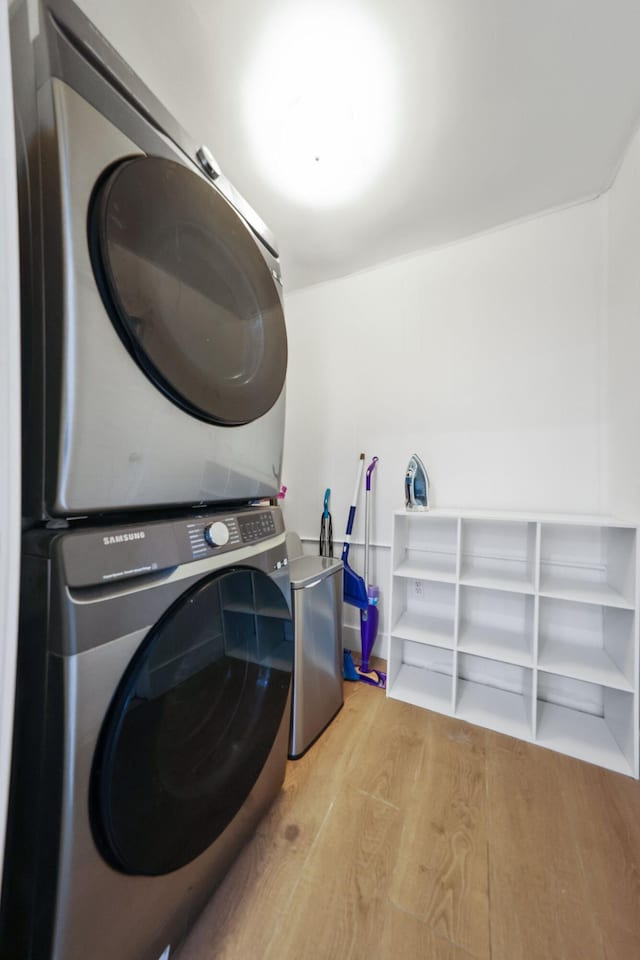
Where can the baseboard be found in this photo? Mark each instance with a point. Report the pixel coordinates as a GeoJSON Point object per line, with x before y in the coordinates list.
{"type": "Point", "coordinates": [351, 641]}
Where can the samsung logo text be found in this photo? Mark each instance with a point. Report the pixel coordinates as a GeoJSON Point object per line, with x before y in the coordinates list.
{"type": "Point", "coordinates": [124, 537]}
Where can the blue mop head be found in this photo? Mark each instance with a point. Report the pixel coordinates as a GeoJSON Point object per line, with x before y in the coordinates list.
{"type": "Point", "coordinates": [349, 671]}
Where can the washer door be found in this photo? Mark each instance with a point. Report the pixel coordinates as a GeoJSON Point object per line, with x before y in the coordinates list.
{"type": "Point", "coordinates": [192, 724]}
{"type": "Point", "coordinates": [188, 290]}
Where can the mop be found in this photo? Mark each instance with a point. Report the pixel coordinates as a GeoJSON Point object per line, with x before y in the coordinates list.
{"type": "Point", "coordinates": [349, 671]}
{"type": "Point", "coordinates": [356, 593]}
{"type": "Point", "coordinates": [326, 528]}
{"type": "Point", "coordinates": [354, 589]}
{"type": "Point", "coordinates": [370, 614]}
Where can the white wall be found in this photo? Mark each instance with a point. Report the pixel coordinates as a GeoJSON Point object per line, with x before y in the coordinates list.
{"type": "Point", "coordinates": [483, 357]}
{"type": "Point", "coordinates": [9, 420]}
{"type": "Point", "coordinates": [623, 319]}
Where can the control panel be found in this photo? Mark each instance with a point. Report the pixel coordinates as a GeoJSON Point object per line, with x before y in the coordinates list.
{"type": "Point", "coordinates": [256, 527]}
{"type": "Point", "coordinates": [106, 553]}
{"type": "Point", "coordinates": [218, 534]}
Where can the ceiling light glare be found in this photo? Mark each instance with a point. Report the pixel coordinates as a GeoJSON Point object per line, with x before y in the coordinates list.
{"type": "Point", "coordinates": [318, 102]}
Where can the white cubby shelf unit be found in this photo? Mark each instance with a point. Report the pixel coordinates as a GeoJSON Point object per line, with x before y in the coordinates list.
{"type": "Point", "coordinates": [525, 624]}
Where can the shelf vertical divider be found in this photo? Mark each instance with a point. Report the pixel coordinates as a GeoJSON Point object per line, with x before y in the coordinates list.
{"type": "Point", "coordinates": [391, 667]}
{"type": "Point", "coordinates": [456, 617]}
{"type": "Point", "coordinates": [536, 630]}
{"type": "Point", "coordinates": [391, 651]}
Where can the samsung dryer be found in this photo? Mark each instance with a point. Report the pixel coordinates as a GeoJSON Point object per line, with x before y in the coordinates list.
{"type": "Point", "coordinates": [152, 726]}
{"type": "Point", "coordinates": [155, 348]}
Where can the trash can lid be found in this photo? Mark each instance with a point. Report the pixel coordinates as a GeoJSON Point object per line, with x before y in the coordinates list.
{"type": "Point", "coordinates": [303, 570]}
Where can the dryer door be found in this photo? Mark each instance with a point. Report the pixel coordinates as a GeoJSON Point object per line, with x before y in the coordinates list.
{"type": "Point", "coordinates": [188, 290]}
{"type": "Point", "coordinates": [192, 723]}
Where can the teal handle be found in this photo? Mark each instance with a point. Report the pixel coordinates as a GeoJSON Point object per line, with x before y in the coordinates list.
{"type": "Point", "coordinates": [327, 494]}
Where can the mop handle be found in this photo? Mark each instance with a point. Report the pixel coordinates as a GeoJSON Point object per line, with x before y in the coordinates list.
{"type": "Point", "coordinates": [367, 520]}
{"type": "Point", "coordinates": [327, 494]}
{"type": "Point", "coordinates": [352, 509]}
{"type": "Point", "coordinates": [370, 470]}
{"type": "Point", "coordinates": [354, 501]}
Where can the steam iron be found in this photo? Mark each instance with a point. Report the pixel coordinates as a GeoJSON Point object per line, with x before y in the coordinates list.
{"type": "Point", "coordinates": [416, 485]}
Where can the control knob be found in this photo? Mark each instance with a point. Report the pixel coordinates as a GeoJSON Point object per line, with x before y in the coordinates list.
{"type": "Point", "coordinates": [216, 534]}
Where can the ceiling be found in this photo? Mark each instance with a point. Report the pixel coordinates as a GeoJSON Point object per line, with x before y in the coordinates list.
{"type": "Point", "coordinates": [451, 116]}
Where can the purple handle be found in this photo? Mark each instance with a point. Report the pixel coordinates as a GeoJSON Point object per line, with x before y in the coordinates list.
{"type": "Point", "coordinates": [370, 470]}
{"type": "Point", "coordinates": [352, 516]}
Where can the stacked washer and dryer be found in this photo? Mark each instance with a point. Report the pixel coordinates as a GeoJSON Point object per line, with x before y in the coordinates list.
{"type": "Point", "coordinates": [155, 649]}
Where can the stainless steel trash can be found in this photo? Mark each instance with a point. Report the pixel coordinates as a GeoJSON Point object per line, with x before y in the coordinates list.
{"type": "Point", "coordinates": [316, 601]}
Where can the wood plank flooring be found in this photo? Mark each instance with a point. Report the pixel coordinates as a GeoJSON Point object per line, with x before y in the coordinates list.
{"type": "Point", "coordinates": [404, 834]}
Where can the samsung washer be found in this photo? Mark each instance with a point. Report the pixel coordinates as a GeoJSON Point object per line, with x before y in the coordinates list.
{"type": "Point", "coordinates": [152, 726]}
{"type": "Point", "coordinates": [155, 348]}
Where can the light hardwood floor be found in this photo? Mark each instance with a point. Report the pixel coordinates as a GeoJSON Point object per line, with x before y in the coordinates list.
{"type": "Point", "coordinates": [403, 834]}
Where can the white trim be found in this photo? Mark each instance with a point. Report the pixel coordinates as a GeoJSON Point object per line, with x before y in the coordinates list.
{"type": "Point", "coordinates": [9, 417]}
{"type": "Point", "coordinates": [353, 543]}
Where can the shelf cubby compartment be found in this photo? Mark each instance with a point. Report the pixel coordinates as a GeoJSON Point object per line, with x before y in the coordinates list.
{"type": "Point", "coordinates": [588, 721]}
{"type": "Point", "coordinates": [426, 547]}
{"type": "Point", "coordinates": [592, 564]}
{"type": "Point", "coordinates": [427, 615]}
{"type": "Point", "coordinates": [587, 642]}
{"type": "Point", "coordinates": [497, 625]}
{"type": "Point", "coordinates": [421, 674]}
{"type": "Point", "coordinates": [499, 554]}
{"type": "Point", "coordinates": [495, 695]}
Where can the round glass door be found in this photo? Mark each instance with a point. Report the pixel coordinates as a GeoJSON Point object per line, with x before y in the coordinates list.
{"type": "Point", "coordinates": [188, 291]}
{"type": "Point", "coordinates": [192, 724]}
